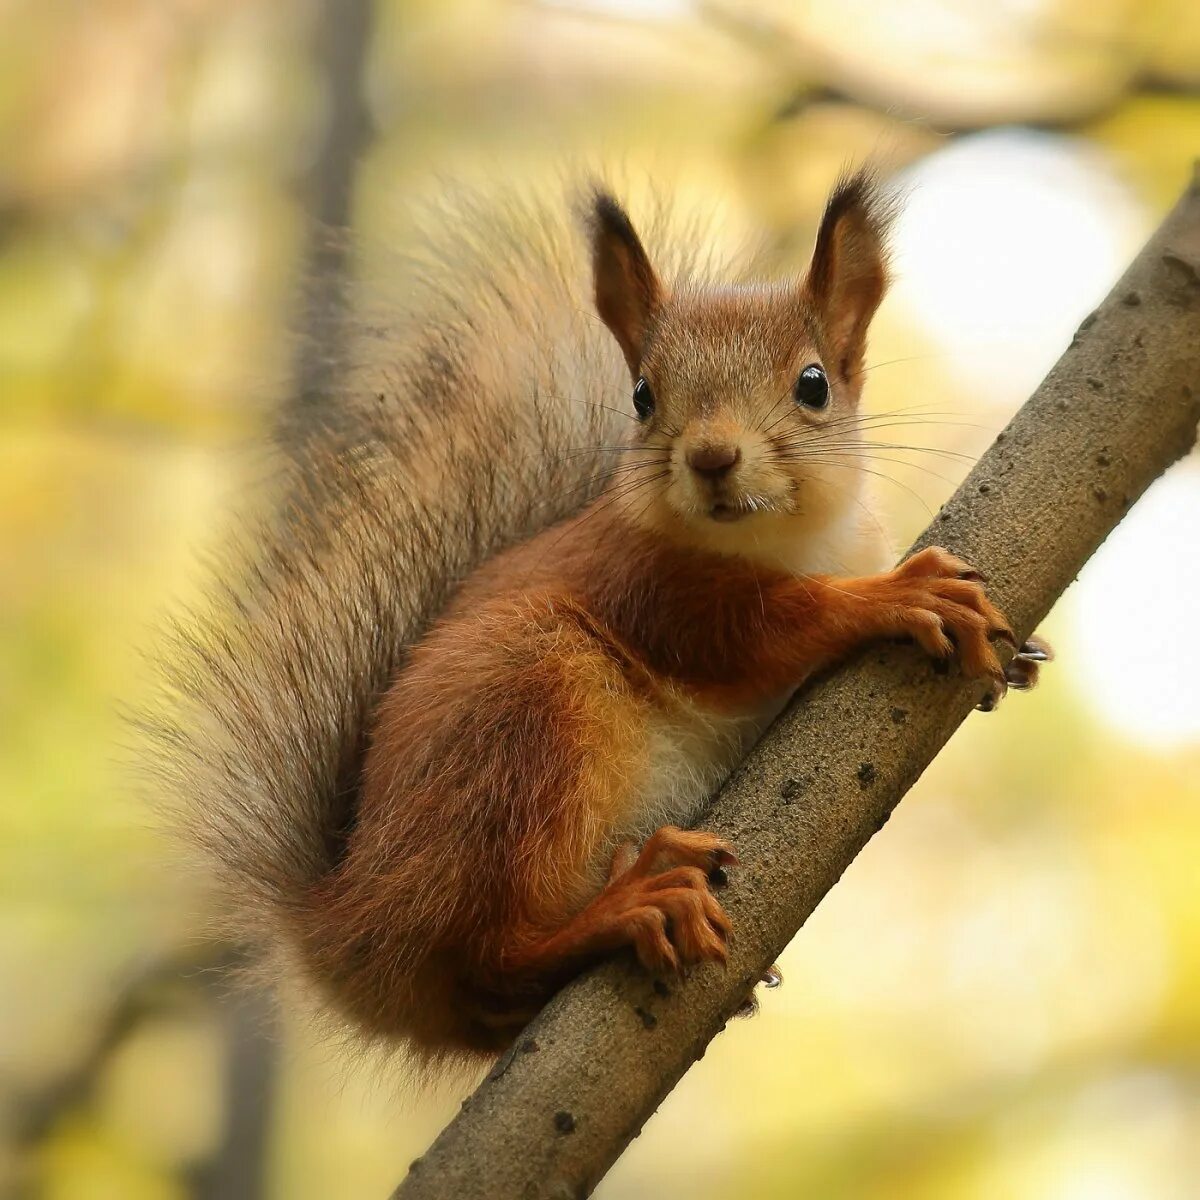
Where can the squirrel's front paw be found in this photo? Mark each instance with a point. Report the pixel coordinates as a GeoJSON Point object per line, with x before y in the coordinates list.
{"type": "Point", "coordinates": [670, 917]}
{"type": "Point", "coordinates": [942, 605]}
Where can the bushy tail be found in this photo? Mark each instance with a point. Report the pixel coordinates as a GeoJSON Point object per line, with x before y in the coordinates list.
{"type": "Point", "coordinates": [475, 414]}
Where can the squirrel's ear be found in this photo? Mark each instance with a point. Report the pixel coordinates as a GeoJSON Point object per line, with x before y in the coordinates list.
{"type": "Point", "coordinates": [849, 271]}
{"type": "Point", "coordinates": [626, 288]}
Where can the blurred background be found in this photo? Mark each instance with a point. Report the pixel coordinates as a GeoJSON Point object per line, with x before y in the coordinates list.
{"type": "Point", "coordinates": [1002, 997]}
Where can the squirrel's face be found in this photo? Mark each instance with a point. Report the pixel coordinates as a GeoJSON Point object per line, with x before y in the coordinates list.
{"type": "Point", "coordinates": [738, 406]}
{"type": "Point", "coordinates": [746, 397]}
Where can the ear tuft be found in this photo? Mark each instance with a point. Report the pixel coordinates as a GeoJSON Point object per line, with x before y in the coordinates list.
{"type": "Point", "coordinates": [609, 219]}
{"type": "Point", "coordinates": [849, 272]}
{"type": "Point", "coordinates": [627, 290]}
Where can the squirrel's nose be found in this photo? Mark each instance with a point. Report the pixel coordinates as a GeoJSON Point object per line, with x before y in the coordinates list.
{"type": "Point", "coordinates": [713, 462]}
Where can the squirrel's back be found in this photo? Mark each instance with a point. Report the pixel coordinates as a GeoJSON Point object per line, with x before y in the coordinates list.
{"type": "Point", "coordinates": [476, 406]}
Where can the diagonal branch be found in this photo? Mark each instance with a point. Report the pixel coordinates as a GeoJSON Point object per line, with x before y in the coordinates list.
{"type": "Point", "coordinates": [1120, 406]}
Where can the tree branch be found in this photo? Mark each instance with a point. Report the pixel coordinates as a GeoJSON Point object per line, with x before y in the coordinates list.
{"type": "Point", "coordinates": [1119, 407]}
{"type": "Point", "coordinates": [342, 39]}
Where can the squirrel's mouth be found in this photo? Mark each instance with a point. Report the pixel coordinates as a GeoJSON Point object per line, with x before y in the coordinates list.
{"type": "Point", "coordinates": [728, 512]}
{"type": "Point", "coordinates": [745, 505]}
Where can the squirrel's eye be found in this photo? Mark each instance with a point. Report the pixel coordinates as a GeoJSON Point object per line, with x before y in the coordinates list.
{"type": "Point", "coordinates": [812, 388]}
{"type": "Point", "coordinates": [643, 400]}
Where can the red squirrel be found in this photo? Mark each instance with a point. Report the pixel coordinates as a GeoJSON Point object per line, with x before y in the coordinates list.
{"type": "Point", "coordinates": [447, 766]}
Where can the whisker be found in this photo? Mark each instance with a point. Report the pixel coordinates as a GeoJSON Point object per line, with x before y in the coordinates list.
{"type": "Point", "coordinates": [581, 450]}
{"type": "Point", "coordinates": [900, 462]}
{"type": "Point", "coordinates": [644, 509]}
{"type": "Point", "coordinates": [889, 362]}
{"type": "Point", "coordinates": [882, 475]}
{"type": "Point", "coordinates": [604, 502]}
{"type": "Point", "coordinates": [600, 478]}
{"type": "Point", "coordinates": [623, 493]}
{"type": "Point", "coordinates": [866, 508]}
{"type": "Point", "coordinates": [857, 466]}
{"type": "Point", "coordinates": [902, 422]}
{"type": "Point", "coordinates": [620, 412]}
{"type": "Point", "coordinates": [911, 415]}
{"type": "Point", "coordinates": [818, 447]}
{"type": "Point", "coordinates": [786, 395]}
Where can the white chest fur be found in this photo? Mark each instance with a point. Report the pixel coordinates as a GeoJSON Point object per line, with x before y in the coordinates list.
{"type": "Point", "coordinates": [690, 752]}
{"type": "Point", "coordinates": [692, 749]}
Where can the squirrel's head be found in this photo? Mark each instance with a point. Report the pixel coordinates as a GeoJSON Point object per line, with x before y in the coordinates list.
{"type": "Point", "coordinates": [745, 397]}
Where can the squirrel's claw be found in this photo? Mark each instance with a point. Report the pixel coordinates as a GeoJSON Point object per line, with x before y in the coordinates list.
{"type": "Point", "coordinates": [772, 977]}
{"type": "Point", "coordinates": [1036, 649]}
{"type": "Point", "coordinates": [1022, 671]}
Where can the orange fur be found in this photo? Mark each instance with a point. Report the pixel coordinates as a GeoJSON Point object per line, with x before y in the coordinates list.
{"type": "Point", "coordinates": [587, 688]}
{"type": "Point", "coordinates": [506, 757]}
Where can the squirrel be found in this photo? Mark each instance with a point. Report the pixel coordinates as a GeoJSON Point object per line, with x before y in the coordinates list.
{"type": "Point", "coordinates": [513, 621]}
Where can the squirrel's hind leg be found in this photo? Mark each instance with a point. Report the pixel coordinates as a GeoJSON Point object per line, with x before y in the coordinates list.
{"type": "Point", "coordinates": [660, 904]}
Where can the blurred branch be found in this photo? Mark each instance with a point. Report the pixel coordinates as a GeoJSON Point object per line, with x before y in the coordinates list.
{"type": "Point", "coordinates": [135, 998]}
{"type": "Point", "coordinates": [1120, 406]}
{"type": "Point", "coordinates": [147, 986]}
{"type": "Point", "coordinates": [238, 1169]}
{"type": "Point", "coordinates": [154, 986]}
{"type": "Point", "coordinates": [833, 66]}
{"type": "Point", "coordinates": [342, 38]}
